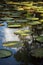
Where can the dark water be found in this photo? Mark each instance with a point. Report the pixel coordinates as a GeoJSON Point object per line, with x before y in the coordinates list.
{"type": "Point", "coordinates": [10, 60]}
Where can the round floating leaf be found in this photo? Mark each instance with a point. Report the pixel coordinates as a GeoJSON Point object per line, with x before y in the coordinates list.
{"type": "Point", "coordinates": [14, 26]}
{"type": "Point", "coordinates": [5, 53]}
{"type": "Point", "coordinates": [39, 38]}
{"type": "Point", "coordinates": [34, 19]}
{"type": "Point", "coordinates": [41, 20]}
{"type": "Point", "coordinates": [34, 23]}
{"type": "Point", "coordinates": [37, 52]}
{"type": "Point", "coordinates": [15, 44]}
{"type": "Point", "coordinates": [24, 32]}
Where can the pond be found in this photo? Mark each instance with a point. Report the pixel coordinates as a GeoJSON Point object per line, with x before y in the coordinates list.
{"type": "Point", "coordinates": [3, 37]}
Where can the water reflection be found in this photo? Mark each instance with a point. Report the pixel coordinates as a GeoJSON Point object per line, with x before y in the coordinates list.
{"type": "Point", "coordinates": [10, 60]}
{"type": "Point", "coordinates": [17, 58]}
{"type": "Point", "coordinates": [23, 57]}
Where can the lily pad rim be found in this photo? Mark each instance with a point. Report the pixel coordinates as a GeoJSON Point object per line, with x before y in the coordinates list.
{"type": "Point", "coordinates": [8, 51]}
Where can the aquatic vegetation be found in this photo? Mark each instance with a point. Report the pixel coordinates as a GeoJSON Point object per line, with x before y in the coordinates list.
{"type": "Point", "coordinates": [22, 15]}
{"type": "Point", "coordinates": [5, 53]}
{"type": "Point", "coordinates": [15, 44]}
{"type": "Point", "coordinates": [40, 39]}
{"type": "Point", "coordinates": [15, 26]}
{"type": "Point", "coordinates": [38, 53]}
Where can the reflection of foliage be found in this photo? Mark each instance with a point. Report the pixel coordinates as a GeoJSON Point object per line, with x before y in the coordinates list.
{"type": "Point", "coordinates": [22, 56]}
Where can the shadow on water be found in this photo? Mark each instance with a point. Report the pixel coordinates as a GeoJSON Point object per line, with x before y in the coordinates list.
{"type": "Point", "coordinates": [27, 59]}
{"type": "Point", "coordinates": [22, 56]}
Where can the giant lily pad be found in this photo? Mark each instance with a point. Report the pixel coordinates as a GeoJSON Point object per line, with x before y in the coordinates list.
{"type": "Point", "coordinates": [20, 9]}
{"type": "Point", "coordinates": [12, 21]}
{"type": "Point", "coordinates": [39, 38]}
{"type": "Point", "coordinates": [15, 44]}
{"type": "Point", "coordinates": [27, 8]}
{"type": "Point", "coordinates": [28, 31]}
{"type": "Point", "coordinates": [40, 12]}
{"type": "Point", "coordinates": [19, 32]}
{"type": "Point", "coordinates": [41, 20]}
{"type": "Point", "coordinates": [34, 23]}
{"type": "Point", "coordinates": [5, 53]}
{"type": "Point", "coordinates": [28, 4]}
{"type": "Point", "coordinates": [7, 18]}
{"type": "Point", "coordinates": [24, 32]}
{"type": "Point", "coordinates": [21, 21]}
{"type": "Point", "coordinates": [38, 53]}
{"type": "Point", "coordinates": [15, 26]}
{"type": "Point", "coordinates": [41, 15]}
{"type": "Point", "coordinates": [33, 19]}
{"type": "Point", "coordinates": [11, 2]}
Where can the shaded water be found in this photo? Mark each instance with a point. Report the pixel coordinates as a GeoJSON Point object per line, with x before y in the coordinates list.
{"type": "Point", "coordinates": [10, 60]}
